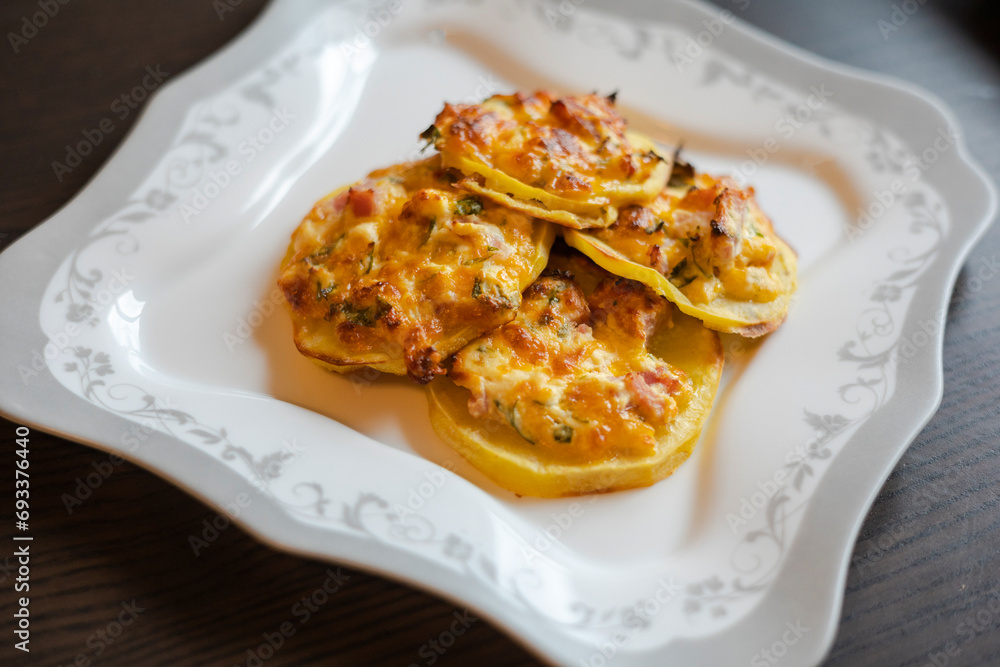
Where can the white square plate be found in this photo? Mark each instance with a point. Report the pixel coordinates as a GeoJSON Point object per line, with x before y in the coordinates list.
{"type": "Point", "coordinates": [143, 319]}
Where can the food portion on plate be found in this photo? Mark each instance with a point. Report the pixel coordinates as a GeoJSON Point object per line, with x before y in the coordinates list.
{"type": "Point", "coordinates": [704, 244]}
{"type": "Point", "coordinates": [594, 376]}
{"type": "Point", "coordinates": [402, 269]}
{"type": "Point", "coordinates": [567, 159]}
{"type": "Point", "coordinates": [598, 384]}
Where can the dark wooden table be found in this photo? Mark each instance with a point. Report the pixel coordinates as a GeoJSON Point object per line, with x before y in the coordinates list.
{"type": "Point", "coordinates": [924, 588]}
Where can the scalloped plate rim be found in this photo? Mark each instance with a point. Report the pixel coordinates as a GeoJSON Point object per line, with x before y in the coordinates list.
{"type": "Point", "coordinates": [302, 539]}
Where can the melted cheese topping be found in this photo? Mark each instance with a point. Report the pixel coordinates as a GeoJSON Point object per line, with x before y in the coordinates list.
{"type": "Point", "coordinates": [574, 148]}
{"type": "Point", "coordinates": [707, 236]}
{"type": "Point", "coordinates": [403, 263]}
{"type": "Point", "coordinates": [573, 375]}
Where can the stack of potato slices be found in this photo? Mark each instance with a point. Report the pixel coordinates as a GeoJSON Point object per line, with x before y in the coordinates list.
{"type": "Point", "coordinates": [563, 371]}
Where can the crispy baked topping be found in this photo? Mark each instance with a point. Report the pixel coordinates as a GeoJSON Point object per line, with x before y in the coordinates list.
{"type": "Point", "coordinates": [402, 261]}
{"type": "Point", "coordinates": [708, 237]}
{"type": "Point", "coordinates": [573, 146]}
{"type": "Point", "coordinates": [572, 374]}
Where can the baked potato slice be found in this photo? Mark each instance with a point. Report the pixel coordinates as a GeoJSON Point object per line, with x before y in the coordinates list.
{"type": "Point", "coordinates": [705, 245]}
{"type": "Point", "coordinates": [567, 160]}
{"type": "Point", "coordinates": [402, 269]}
{"type": "Point", "coordinates": [597, 385]}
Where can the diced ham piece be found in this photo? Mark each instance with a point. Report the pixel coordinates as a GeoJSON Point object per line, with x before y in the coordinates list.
{"type": "Point", "coordinates": [731, 209]}
{"type": "Point", "coordinates": [629, 306]}
{"type": "Point", "coordinates": [649, 391]}
{"type": "Point", "coordinates": [479, 405]}
{"type": "Point", "coordinates": [362, 202]}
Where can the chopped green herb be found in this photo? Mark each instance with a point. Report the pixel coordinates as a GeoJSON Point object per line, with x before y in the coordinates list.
{"type": "Point", "coordinates": [476, 260]}
{"type": "Point", "coordinates": [370, 259]}
{"type": "Point", "coordinates": [366, 317]}
{"type": "Point", "coordinates": [430, 230]}
{"type": "Point", "coordinates": [699, 267]}
{"type": "Point", "coordinates": [511, 416]}
{"type": "Point", "coordinates": [682, 173]}
{"type": "Point", "coordinates": [677, 274]}
{"type": "Point", "coordinates": [319, 254]}
{"type": "Point", "coordinates": [323, 292]}
{"type": "Point", "coordinates": [469, 206]}
{"type": "Point", "coordinates": [497, 299]}
{"type": "Point", "coordinates": [430, 135]}
{"type": "Point", "coordinates": [652, 229]}
{"type": "Point", "coordinates": [562, 433]}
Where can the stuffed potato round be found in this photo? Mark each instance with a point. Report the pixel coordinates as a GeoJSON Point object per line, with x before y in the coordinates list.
{"type": "Point", "coordinates": [596, 385]}
{"type": "Point", "coordinates": [402, 269]}
{"type": "Point", "coordinates": [705, 245]}
{"type": "Point", "coordinates": [567, 160]}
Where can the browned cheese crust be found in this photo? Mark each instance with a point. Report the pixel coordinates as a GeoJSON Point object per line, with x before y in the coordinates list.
{"type": "Point", "coordinates": [572, 147]}
{"type": "Point", "coordinates": [405, 265]}
{"type": "Point", "coordinates": [573, 375]}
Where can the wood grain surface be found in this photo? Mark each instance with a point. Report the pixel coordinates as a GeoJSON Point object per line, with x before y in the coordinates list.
{"type": "Point", "coordinates": [924, 587]}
